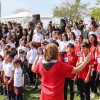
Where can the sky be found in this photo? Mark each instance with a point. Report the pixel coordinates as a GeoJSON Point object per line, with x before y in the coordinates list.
{"type": "Point", "coordinates": [43, 7]}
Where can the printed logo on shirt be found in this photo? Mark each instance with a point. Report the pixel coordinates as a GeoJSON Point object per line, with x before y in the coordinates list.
{"type": "Point", "coordinates": [78, 53]}
{"type": "Point", "coordinates": [98, 60]}
{"type": "Point", "coordinates": [66, 59]}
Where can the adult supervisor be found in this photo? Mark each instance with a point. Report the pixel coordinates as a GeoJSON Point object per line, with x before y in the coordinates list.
{"type": "Point", "coordinates": [53, 73]}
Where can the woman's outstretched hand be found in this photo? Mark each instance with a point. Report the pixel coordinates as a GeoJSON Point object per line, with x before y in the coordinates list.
{"type": "Point", "coordinates": [87, 58]}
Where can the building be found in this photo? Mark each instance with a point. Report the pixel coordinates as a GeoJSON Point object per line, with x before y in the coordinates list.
{"type": "Point", "coordinates": [24, 18]}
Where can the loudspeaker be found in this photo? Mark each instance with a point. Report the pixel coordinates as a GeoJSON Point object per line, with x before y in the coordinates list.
{"type": "Point", "coordinates": [36, 18]}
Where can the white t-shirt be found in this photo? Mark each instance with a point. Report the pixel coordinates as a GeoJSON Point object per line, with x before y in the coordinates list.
{"type": "Point", "coordinates": [0, 48]}
{"type": "Point", "coordinates": [2, 53]}
{"type": "Point", "coordinates": [63, 46]}
{"type": "Point", "coordinates": [27, 56]}
{"type": "Point", "coordinates": [37, 38]}
{"type": "Point", "coordinates": [11, 44]}
{"type": "Point", "coordinates": [59, 41]}
{"type": "Point", "coordinates": [18, 77]}
{"type": "Point", "coordinates": [8, 68]}
{"type": "Point", "coordinates": [32, 55]}
{"type": "Point", "coordinates": [71, 41]}
{"type": "Point", "coordinates": [21, 47]}
{"type": "Point", "coordinates": [96, 33]}
{"type": "Point", "coordinates": [77, 32]}
{"type": "Point", "coordinates": [48, 40]}
{"type": "Point", "coordinates": [40, 58]}
{"type": "Point", "coordinates": [1, 65]}
{"type": "Point", "coordinates": [15, 57]}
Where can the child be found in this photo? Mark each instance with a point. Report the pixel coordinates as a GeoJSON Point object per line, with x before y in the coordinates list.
{"type": "Point", "coordinates": [93, 45]}
{"type": "Point", "coordinates": [79, 40]}
{"type": "Point", "coordinates": [21, 46]}
{"type": "Point", "coordinates": [9, 74]}
{"type": "Point", "coordinates": [71, 59]}
{"type": "Point", "coordinates": [1, 77]}
{"type": "Point", "coordinates": [38, 58]}
{"type": "Point", "coordinates": [63, 43]}
{"type": "Point", "coordinates": [84, 76]}
{"type": "Point", "coordinates": [18, 80]}
{"type": "Point", "coordinates": [47, 38]}
{"type": "Point", "coordinates": [38, 37]}
{"type": "Point", "coordinates": [97, 80]}
{"type": "Point", "coordinates": [32, 55]}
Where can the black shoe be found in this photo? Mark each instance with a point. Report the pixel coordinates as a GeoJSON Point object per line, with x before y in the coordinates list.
{"type": "Point", "coordinates": [1, 90]}
{"type": "Point", "coordinates": [77, 93]}
{"type": "Point", "coordinates": [36, 88]}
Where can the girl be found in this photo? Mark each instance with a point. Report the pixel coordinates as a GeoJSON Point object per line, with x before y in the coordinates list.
{"type": "Point", "coordinates": [1, 76]}
{"type": "Point", "coordinates": [63, 43]}
{"type": "Point", "coordinates": [22, 46]}
{"type": "Point", "coordinates": [68, 30]}
{"type": "Point", "coordinates": [93, 44]}
{"type": "Point", "coordinates": [32, 55]}
{"type": "Point", "coordinates": [47, 38]}
{"type": "Point", "coordinates": [8, 75]}
{"type": "Point", "coordinates": [53, 36]}
{"type": "Point", "coordinates": [38, 58]}
{"type": "Point", "coordinates": [97, 80]}
{"type": "Point", "coordinates": [14, 37]}
{"type": "Point", "coordinates": [79, 40]}
{"type": "Point", "coordinates": [18, 80]}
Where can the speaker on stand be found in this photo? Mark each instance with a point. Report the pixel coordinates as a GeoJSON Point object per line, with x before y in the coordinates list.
{"type": "Point", "coordinates": [36, 18]}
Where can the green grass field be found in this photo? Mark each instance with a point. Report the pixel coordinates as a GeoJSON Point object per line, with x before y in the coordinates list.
{"type": "Point", "coordinates": [34, 95]}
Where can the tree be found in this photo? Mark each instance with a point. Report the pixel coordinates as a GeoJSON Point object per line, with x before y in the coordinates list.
{"type": "Point", "coordinates": [95, 11]}
{"type": "Point", "coordinates": [73, 9]}
{"type": "Point", "coordinates": [97, 2]}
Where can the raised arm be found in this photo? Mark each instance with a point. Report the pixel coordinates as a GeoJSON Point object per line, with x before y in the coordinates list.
{"type": "Point", "coordinates": [82, 65]}
{"type": "Point", "coordinates": [35, 62]}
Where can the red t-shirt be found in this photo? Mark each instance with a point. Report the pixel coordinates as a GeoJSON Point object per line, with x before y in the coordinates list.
{"type": "Point", "coordinates": [93, 50]}
{"type": "Point", "coordinates": [70, 60]}
{"type": "Point", "coordinates": [53, 80]}
{"type": "Point", "coordinates": [82, 74]}
{"type": "Point", "coordinates": [60, 58]}
{"type": "Point", "coordinates": [98, 62]}
{"type": "Point", "coordinates": [78, 50]}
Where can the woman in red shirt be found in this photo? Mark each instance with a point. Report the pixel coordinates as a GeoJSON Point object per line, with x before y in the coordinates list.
{"type": "Point", "coordinates": [53, 73]}
{"type": "Point", "coordinates": [97, 80]}
{"type": "Point", "coordinates": [93, 44]}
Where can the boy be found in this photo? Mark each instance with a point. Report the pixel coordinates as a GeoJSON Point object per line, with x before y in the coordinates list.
{"type": "Point", "coordinates": [84, 76]}
{"type": "Point", "coordinates": [71, 59]}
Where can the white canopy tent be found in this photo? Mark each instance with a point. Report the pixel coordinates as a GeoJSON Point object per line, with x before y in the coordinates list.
{"type": "Point", "coordinates": [24, 18]}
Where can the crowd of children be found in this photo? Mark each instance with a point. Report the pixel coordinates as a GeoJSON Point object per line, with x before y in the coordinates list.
{"type": "Point", "coordinates": [20, 47]}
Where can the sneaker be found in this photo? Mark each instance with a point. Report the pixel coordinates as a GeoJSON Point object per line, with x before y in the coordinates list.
{"type": "Point", "coordinates": [93, 96]}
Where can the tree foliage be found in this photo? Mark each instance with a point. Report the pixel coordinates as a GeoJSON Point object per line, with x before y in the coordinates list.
{"type": "Point", "coordinates": [73, 9]}
{"type": "Point", "coordinates": [95, 11]}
